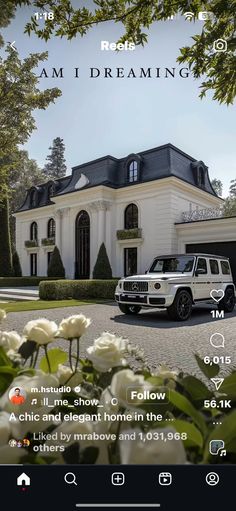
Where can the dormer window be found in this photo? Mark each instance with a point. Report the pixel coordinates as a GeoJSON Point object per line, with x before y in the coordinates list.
{"type": "Point", "coordinates": [50, 191]}
{"type": "Point", "coordinates": [201, 176]}
{"type": "Point", "coordinates": [133, 171]}
{"type": "Point", "coordinates": [33, 198]}
{"type": "Point", "coordinates": [200, 173]}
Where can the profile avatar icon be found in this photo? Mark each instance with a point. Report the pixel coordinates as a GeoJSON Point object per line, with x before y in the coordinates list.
{"type": "Point", "coordinates": [17, 396]}
{"type": "Point", "coordinates": [12, 442]}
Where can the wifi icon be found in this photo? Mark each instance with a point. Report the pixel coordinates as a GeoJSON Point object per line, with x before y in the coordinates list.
{"type": "Point", "coordinates": [189, 16]}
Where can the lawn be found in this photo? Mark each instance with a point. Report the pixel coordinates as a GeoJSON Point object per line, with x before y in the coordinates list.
{"type": "Point", "coordinates": [35, 305]}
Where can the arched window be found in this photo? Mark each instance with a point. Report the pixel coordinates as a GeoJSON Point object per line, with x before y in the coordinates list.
{"type": "Point", "coordinates": [131, 216]}
{"type": "Point", "coordinates": [82, 245]}
{"type": "Point", "coordinates": [33, 231]}
{"type": "Point", "coordinates": [133, 171]}
{"type": "Point", "coordinates": [51, 228]}
{"type": "Point", "coordinates": [33, 198]}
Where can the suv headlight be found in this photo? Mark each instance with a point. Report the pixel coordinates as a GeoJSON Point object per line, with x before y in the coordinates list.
{"type": "Point", "coordinates": [157, 285]}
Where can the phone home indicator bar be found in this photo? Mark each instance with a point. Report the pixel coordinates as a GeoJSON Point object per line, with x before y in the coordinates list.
{"type": "Point", "coordinates": [119, 505]}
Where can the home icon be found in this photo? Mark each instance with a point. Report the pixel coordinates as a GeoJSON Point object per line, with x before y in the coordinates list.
{"type": "Point", "coordinates": [23, 480]}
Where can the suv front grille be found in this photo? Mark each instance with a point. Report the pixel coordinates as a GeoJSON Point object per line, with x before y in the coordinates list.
{"type": "Point", "coordinates": [136, 286]}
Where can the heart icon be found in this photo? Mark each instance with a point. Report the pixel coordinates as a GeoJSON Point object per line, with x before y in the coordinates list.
{"type": "Point", "coordinates": [217, 294]}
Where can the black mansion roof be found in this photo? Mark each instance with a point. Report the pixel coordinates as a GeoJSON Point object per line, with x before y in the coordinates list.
{"type": "Point", "coordinates": [158, 163]}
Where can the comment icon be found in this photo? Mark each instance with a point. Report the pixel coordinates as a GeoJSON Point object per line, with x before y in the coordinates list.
{"type": "Point", "coordinates": [217, 340]}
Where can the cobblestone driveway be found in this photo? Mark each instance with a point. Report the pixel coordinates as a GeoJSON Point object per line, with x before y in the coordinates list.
{"type": "Point", "coordinates": [163, 340]}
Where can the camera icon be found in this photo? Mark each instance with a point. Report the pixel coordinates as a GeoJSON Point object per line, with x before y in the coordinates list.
{"type": "Point", "coordinates": [205, 15]}
{"type": "Point", "coordinates": [220, 45]}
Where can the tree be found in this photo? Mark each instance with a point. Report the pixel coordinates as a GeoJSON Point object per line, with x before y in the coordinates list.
{"type": "Point", "coordinates": [20, 178]}
{"type": "Point", "coordinates": [217, 186]}
{"type": "Point", "coordinates": [55, 267]}
{"type": "Point", "coordinates": [232, 189]}
{"type": "Point", "coordinates": [229, 206]}
{"type": "Point", "coordinates": [19, 97]}
{"type": "Point", "coordinates": [6, 268]}
{"type": "Point", "coordinates": [27, 173]}
{"type": "Point", "coordinates": [16, 265]}
{"type": "Point", "coordinates": [216, 69]}
{"type": "Point", "coordinates": [102, 268]}
{"type": "Point", "coordinates": [56, 166]}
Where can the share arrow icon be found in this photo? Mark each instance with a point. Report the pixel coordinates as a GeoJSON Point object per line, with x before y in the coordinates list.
{"type": "Point", "coordinates": [217, 382]}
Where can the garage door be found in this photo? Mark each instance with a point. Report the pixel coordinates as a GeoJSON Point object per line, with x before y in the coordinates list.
{"type": "Point", "coordinates": [227, 249]}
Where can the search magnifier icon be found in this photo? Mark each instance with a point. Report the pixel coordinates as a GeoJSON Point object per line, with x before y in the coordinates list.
{"type": "Point", "coordinates": [70, 478]}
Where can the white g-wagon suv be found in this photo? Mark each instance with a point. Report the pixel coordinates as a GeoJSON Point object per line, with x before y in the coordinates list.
{"type": "Point", "coordinates": [176, 282]}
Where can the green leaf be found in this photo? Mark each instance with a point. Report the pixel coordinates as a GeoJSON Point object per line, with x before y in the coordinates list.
{"type": "Point", "coordinates": [5, 381]}
{"type": "Point", "coordinates": [225, 432]}
{"type": "Point", "coordinates": [27, 371]}
{"type": "Point", "coordinates": [194, 435]}
{"type": "Point", "coordinates": [183, 404]}
{"type": "Point", "coordinates": [196, 388]}
{"type": "Point", "coordinates": [155, 380]}
{"type": "Point", "coordinates": [8, 370]}
{"type": "Point", "coordinates": [229, 385]}
{"type": "Point", "coordinates": [4, 359]}
{"type": "Point", "coordinates": [209, 371]}
{"type": "Point", "coordinates": [56, 356]}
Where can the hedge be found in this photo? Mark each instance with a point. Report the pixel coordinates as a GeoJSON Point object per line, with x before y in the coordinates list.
{"type": "Point", "coordinates": [77, 289]}
{"type": "Point", "coordinates": [31, 243]}
{"type": "Point", "coordinates": [125, 234]}
{"type": "Point", "coordinates": [23, 281]}
{"type": "Point", "coordinates": [48, 242]}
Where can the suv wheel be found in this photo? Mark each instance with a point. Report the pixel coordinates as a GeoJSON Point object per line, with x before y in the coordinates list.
{"type": "Point", "coordinates": [181, 308]}
{"type": "Point", "coordinates": [228, 302]}
{"type": "Point", "coordinates": [129, 309]}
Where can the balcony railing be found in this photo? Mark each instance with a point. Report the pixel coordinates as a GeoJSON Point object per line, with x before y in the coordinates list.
{"type": "Point", "coordinates": [31, 243]}
{"type": "Point", "coordinates": [202, 214]}
{"type": "Point", "coordinates": [48, 241]}
{"type": "Point", "coordinates": [125, 234]}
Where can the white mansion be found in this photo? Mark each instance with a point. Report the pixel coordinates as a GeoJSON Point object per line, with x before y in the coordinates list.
{"type": "Point", "coordinates": [159, 201]}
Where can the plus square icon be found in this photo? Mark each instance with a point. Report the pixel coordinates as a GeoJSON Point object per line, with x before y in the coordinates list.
{"type": "Point", "coordinates": [118, 478]}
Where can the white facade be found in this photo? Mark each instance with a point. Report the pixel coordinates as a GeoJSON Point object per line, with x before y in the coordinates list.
{"type": "Point", "coordinates": [160, 203]}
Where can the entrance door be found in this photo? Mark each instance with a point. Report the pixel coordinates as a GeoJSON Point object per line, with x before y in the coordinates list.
{"type": "Point", "coordinates": [82, 245]}
{"type": "Point", "coordinates": [130, 261]}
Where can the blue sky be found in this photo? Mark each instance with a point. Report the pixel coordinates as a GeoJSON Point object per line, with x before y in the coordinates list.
{"type": "Point", "coordinates": [116, 116]}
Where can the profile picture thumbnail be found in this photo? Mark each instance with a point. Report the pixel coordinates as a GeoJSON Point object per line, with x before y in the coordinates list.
{"type": "Point", "coordinates": [17, 396]}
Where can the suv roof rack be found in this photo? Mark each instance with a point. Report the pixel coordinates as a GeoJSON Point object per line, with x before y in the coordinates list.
{"type": "Point", "coordinates": [196, 254]}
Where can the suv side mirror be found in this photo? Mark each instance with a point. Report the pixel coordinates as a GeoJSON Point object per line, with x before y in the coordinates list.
{"type": "Point", "coordinates": [200, 271]}
{"type": "Point", "coordinates": [146, 271]}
